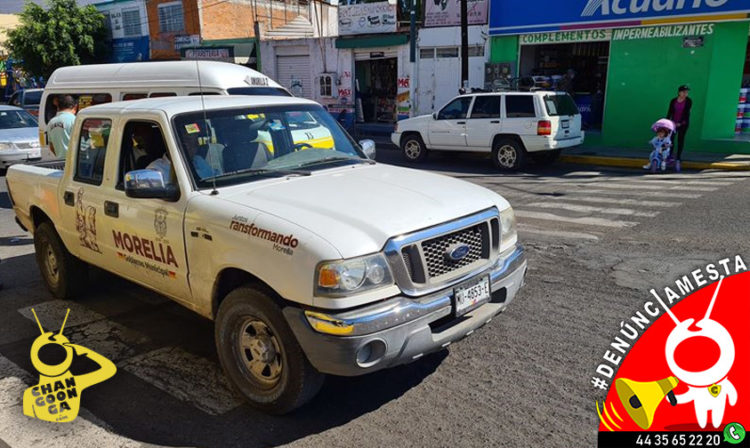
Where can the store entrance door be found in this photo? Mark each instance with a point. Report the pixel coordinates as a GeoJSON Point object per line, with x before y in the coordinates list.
{"type": "Point", "coordinates": [549, 66]}
{"type": "Point", "coordinates": [376, 90]}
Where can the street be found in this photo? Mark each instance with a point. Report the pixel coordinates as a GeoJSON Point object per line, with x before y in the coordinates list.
{"type": "Point", "coordinates": [597, 240]}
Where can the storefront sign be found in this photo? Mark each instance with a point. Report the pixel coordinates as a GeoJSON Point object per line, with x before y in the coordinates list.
{"type": "Point", "coordinates": [367, 18]}
{"type": "Point", "coordinates": [550, 15]}
{"type": "Point", "coordinates": [448, 12]}
{"type": "Point", "coordinates": [181, 42]}
{"type": "Point", "coordinates": [225, 54]}
{"type": "Point", "coordinates": [561, 37]}
{"type": "Point", "coordinates": [664, 31]}
{"type": "Point", "coordinates": [131, 49]}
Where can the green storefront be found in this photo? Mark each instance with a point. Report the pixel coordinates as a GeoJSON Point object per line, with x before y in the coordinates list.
{"type": "Point", "coordinates": [625, 76]}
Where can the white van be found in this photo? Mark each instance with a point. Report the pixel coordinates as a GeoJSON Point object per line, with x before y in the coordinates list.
{"type": "Point", "coordinates": [105, 83]}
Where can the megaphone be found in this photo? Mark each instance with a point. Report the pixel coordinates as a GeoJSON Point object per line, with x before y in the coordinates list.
{"type": "Point", "coordinates": [641, 399]}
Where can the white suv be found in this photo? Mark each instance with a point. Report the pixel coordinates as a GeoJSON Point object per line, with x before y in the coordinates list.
{"type": "Point", "coordinates": [511, 125]}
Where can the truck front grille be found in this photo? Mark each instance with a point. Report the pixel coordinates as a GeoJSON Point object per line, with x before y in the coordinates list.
{"type": "Point", "coordinates": [435, 250]}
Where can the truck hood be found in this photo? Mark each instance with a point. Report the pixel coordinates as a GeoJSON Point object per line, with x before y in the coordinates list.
{"type": "Point", "coordinates": [358, 208]}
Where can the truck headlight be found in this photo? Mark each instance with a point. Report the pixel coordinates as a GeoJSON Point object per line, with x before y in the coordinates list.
{"type": "Point", "coordinates": [343, 277]}
{"type": "Point", "coordinates": [6, 145]}
{"type": "Point", "coordinates": [509, 234]}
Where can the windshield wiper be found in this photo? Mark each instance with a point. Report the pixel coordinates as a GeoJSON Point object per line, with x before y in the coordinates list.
{"type": "Point", "coordinates": [337, 159]}
{"type": "Point", "coordinates": [263, 172]}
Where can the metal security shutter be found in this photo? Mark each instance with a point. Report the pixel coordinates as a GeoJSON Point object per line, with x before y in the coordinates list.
{"type": "Point", "coordinates": [297, 69]}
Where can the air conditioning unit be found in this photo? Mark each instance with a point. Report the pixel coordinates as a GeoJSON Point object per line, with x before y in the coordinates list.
{"type": "Point", "coordinates": [327, 85]}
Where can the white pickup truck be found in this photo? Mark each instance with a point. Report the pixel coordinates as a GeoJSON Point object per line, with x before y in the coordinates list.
{"type": "Point", "coordinates": [311, 260]}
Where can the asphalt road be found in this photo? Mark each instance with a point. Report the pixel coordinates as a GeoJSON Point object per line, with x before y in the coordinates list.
{"type": "Point", "coordinates": [597, 241]}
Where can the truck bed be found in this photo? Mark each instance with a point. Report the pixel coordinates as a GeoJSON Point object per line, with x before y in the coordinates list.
{"type": "Point", "coordinates": [35, 185]}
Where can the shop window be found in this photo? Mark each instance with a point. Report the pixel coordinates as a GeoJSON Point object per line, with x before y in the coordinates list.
{"type": "Point", "coordinates": [426, 53]}
{"type": "Point", "coordinates": [486, 106]}
{"type": "Point", "coordinates": [171, 19]}
{"type": "Point", "coordinates": [519, 106]}
{"type": "Point", "coordinates": [133, 96]}
{"type": "Point", "coordinates": [92, 149]}
{"type": "Point", "coordinates": [447, 52]}
{"type": "Point", "coordinates": [456, 109]}
{"type": "Point", "coordinates": [131, 22]}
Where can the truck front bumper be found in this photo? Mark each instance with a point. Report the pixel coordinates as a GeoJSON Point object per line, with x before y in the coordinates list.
{"type": "Point", "coordinates": [403, 329]}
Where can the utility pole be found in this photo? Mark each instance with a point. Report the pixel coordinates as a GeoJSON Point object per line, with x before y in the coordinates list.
{"type": "Point", "coordinates": [464, 46]}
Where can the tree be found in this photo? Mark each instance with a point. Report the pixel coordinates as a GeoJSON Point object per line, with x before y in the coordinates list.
{"type": "Point", "coordinates": [64, 34]}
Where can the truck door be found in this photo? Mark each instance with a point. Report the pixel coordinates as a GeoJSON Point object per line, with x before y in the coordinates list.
{"type": "Point", "coordinates": [448, 130]}
{"type": "Point", "coordinates": [85, 223]}
{"type": "Point", "coordinates": [147, 234]}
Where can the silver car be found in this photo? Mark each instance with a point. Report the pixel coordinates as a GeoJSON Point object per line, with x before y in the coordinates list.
{"type": "Point", "coordinates": [19, 137]}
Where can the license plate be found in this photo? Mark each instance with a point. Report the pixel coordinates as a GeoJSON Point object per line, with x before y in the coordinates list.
{"type": "Point", "coordinates": [471, 295]}
{"type": "Point", "coordinates": [565, 124]}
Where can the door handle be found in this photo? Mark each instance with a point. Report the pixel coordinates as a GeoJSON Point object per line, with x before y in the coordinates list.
{"type": "Point", "coordinates": [69, 198]}
{"type": "Point", "coordinates": [111, 209]}
{"type": "Point", "coordinates": [495, 121]}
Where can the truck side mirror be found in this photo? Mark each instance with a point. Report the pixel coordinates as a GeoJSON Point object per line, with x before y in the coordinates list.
{"type": "Point", "coordinates": [434, 115]}
{"type": "Point", "coordinates": [368, 147]}
{"type": "Point", "coordinates": [149, 184]}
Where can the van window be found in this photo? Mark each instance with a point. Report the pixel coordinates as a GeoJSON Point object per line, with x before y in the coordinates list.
{"type": "Point", "coordinates": [92, 149]}
{"type": "Point", "coordinates": [519, 106]}
{"type": "Point", "coordinates": [91, 99]}
{"type": "Point", "coordinates": [560, 105]}
{"type": "Point", "coordinates": [161, 94]}
{"type": "Point", "coordinates": [268, 91]}
{"type": "Point", "coordinates": [203, 93]}
{"type": "Point", "coordinates": [133, 96]}
{"type": "Point", "coordinates": [486, 107]}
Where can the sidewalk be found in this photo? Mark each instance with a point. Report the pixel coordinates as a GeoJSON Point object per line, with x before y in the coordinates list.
{"type": "Point", "coordinates": [636, 158]}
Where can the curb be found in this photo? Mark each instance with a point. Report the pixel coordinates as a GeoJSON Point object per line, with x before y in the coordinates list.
{"type": "Point", "coordinates": [628, 162]}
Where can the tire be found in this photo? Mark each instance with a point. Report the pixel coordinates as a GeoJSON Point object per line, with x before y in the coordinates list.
{"type": "Point", "coordinates": [413, 148]}
{"type": "Point", "coordinates": [64, 274]}
{"type": "Point", "coordinates": [545, 157]}
{"type": "Point", "coordinates": [508, 154]}
{"type": "Point", "coordinates": [250, 331]}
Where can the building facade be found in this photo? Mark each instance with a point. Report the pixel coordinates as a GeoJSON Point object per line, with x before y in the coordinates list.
{"type": "Point", "coordinates": [128, 26]}
{"type": "Point", "coordinates": [629, 57]}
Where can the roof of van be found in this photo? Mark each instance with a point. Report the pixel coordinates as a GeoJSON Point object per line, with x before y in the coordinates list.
{"type": "Point", "coordinates": [161, 73]}
{"type": "Point", "coordinates": [181, 104]}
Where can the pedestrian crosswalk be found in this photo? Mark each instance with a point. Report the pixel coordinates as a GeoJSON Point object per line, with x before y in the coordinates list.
{"type": "Point", "coordinates": [586, 205]}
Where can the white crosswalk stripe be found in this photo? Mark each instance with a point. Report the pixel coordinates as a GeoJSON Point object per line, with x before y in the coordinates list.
{"type": "Point", "coordinates": [591, 209]}
{"type": "Point", "coordinates": [586, 220]}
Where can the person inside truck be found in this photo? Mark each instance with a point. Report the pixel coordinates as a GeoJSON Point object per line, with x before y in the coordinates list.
{"type": "Point", "coordinates": [197, 152]}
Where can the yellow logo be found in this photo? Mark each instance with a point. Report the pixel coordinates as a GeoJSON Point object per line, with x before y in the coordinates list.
{"type": "Point", "coordinates": [57, 397]}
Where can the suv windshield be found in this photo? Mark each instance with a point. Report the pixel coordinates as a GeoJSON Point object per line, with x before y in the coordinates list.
{"type": "Point", "coordinates": [233, 146]}
{"type": "Point", "coordinates": [561, 104]}
{"type": "Point", "coordinates": [14, 119]}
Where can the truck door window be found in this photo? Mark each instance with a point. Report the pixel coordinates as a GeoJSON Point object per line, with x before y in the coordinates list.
{"type": "Point", "coordinates": [92, 149]}
{"type": "Point", "coordinates": [142, 143]}
{"type": "Point", "coordinates": [456, 109]}
{"type": "Point", "coordinates": [486, 107]}
{"type": "Point", "coordinates": [519, 106]}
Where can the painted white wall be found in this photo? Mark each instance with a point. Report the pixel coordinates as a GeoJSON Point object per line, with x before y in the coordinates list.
{"type": "Point", "coordinates": [438, 80]}
{"type": "Point", "coordinates": [324, 18]}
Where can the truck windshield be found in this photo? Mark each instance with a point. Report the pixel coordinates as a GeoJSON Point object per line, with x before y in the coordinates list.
{"type": "Point", "coordinates": [561, 104]}
{"type": "Point", "coordinates": [233, 146]}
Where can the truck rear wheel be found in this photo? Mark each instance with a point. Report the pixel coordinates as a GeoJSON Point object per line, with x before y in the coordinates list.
{"type": "Point", "coordinates": [508, 154]}
{"type": "Point", "coordinates": [64, 274]}
{"type": "Point", "coordinates": [260, 354]}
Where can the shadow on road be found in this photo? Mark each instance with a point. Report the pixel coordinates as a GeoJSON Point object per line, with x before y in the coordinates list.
{"type": "Point", "coordinates": [140, 410]}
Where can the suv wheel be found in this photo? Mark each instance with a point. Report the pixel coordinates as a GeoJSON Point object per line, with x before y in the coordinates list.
{"type": "Point", "coordinates": [546, 157]}
{"type": "Point", "coordinates": [63, 273]}
{"type": "Point", "coordinates": [413, 149]}
{"type": "Point", "coordinates": [260, 354]}
{"type": "Point", "coordinates": [508, 154]}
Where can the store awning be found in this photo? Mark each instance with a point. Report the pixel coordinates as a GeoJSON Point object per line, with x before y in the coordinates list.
{"type": "Point", "coordinates": [386, 40]}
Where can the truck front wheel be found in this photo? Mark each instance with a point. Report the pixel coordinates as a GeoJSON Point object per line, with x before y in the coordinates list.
{"type": "Point", "coordinates": [260, 354]}
{"type": "Point", "coordinates": [64, 274]}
